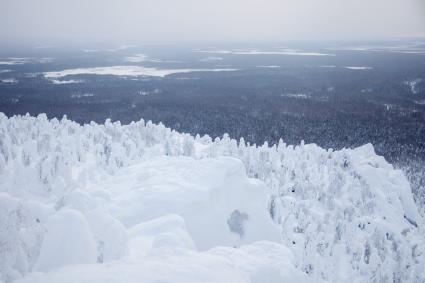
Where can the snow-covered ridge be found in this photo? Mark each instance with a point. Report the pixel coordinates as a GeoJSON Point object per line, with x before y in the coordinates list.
{"type": "Point", "coordinates": [147, 199]}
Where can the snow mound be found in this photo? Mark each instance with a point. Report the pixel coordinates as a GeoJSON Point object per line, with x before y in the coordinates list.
{"type": "Point", "coordinates": [110, 235]}
{"type": "Point", "coordinates": [203, 192]}
{"type": "Point", "coordinates": [143, 203]}
{"type": "Point", "coordinates": [165, 231]}
{"type": "Point", "coordinates": [68, 240]}
{"type": "Point", "coordinates": [257, 263]}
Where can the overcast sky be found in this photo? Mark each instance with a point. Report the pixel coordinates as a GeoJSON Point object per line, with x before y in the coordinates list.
{"type": "Point", "coordinates": [213, 20]}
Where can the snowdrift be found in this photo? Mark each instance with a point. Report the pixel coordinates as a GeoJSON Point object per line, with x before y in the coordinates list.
{"type": "Point", "coordinates": [143, 203]}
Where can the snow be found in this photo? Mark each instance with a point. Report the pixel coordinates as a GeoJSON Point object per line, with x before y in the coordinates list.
{"type": "Point", "coordinates": [9, 81]}
{"type": "Point", "coordinates": [147, 92]}
{"type": "Point", "coordinates": [136, 58]}
{"type": "Point", "coordinates": [269, 66]}
{"type": "Point", "coordinates": [410, 48]}
{"type": "Point", "coordinates": [91, 50]}
{"type": "Point", "coordinates": [11, 62]}
{"type": "Point", "coordinates": [109, 233]}
{"type": "Point", "coordinates": [19, 61]}
{"type": "Point", "coordinates": [408, 52]}
{"type": "Point", "coordinates": [358, 68]}
{"type": "Point", "coordinates": [143, 203]}
{"type": "Point", "coordinates": [257, 263]}
{"type": "Point", "coordinates": [61, 82]}
{"type": "Point", "coordinates": [79, 95]}
{"type": "Point", "coordinates": [296, 95]}
{"type": "Point", "coordinates": [211, 59]}
{"type": "Point", "coordinates": [147, 236]}
{"type": "Point", "coordinates": [131, 71]}
{"type": "Point", "coordinates": [181, 186]}
{"type": "Point", "coordinates": [119, 48]}
{"type": "Point", "coordinates": [290, 52]}
{"type": "Point", "coordinates": [413, 84]}
{"type": "Point", "coordinates": [45, 60]}
{"type": "Point", "coordinates": [68, 240]}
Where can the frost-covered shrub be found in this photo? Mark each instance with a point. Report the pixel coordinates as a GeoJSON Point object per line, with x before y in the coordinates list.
{"type": "Point", "coordinates": [21, 232]}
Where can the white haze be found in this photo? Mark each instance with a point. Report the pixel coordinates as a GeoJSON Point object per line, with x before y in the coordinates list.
{"type": "Point", "coordinates": [207, 20]}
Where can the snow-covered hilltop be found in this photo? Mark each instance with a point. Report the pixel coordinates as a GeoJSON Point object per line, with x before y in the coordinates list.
{"type": "Point", "coordinates": [143, 203]}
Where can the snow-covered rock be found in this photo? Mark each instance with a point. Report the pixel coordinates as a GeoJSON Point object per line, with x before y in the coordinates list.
{"type": "Point", "coordinates": [151, 234]}
{"type": "Point", "coordinates": [143, 203]}
{"type": "Point", "coordinates": [219, 204]}
{"type": "Point", "coordinates": [68, 240]}
{"type": "Point", "coordinates": [110, 235]}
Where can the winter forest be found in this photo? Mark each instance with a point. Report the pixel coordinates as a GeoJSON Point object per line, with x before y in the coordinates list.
{"type": "Point", "coordinates": [332, 216]}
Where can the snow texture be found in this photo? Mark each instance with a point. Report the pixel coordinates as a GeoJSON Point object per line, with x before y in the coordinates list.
{"type": "Point", "coordinates": [143, 203]}
{"type": "Point", "coordinates": [68, 240]}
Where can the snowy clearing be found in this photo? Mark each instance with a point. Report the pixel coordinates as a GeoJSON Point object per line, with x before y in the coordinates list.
{"type": "Point", "coordinates": [211, 59]}
{"type": "Point", "coordinates": [409, 52]}
{"type": "Point", "coordinates": [358, 68]}
{"type": "Point", "coordinates": [20, 61]}
{"type": "Point", "coordinates": [296, 95]}
{"type": "Point", "coordinates": [80, 95]}
{"type": "Point", "coordinates": [131, 71]}
{"type": "Point", "coordinates": [14, 61]}
{"type": "Point", "coordinates": [9, 81]}
{"type": "Point", "coordinates": [64, 82]}
{"type": "Point", "coordinates": [269, 66]}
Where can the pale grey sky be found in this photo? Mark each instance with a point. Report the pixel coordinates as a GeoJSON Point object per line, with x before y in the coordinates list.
{"type": "Point", "coordinates": [199, 20]}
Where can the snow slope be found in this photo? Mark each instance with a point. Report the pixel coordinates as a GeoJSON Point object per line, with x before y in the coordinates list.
{"type": "Point", "coordinates": [143, 203]}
